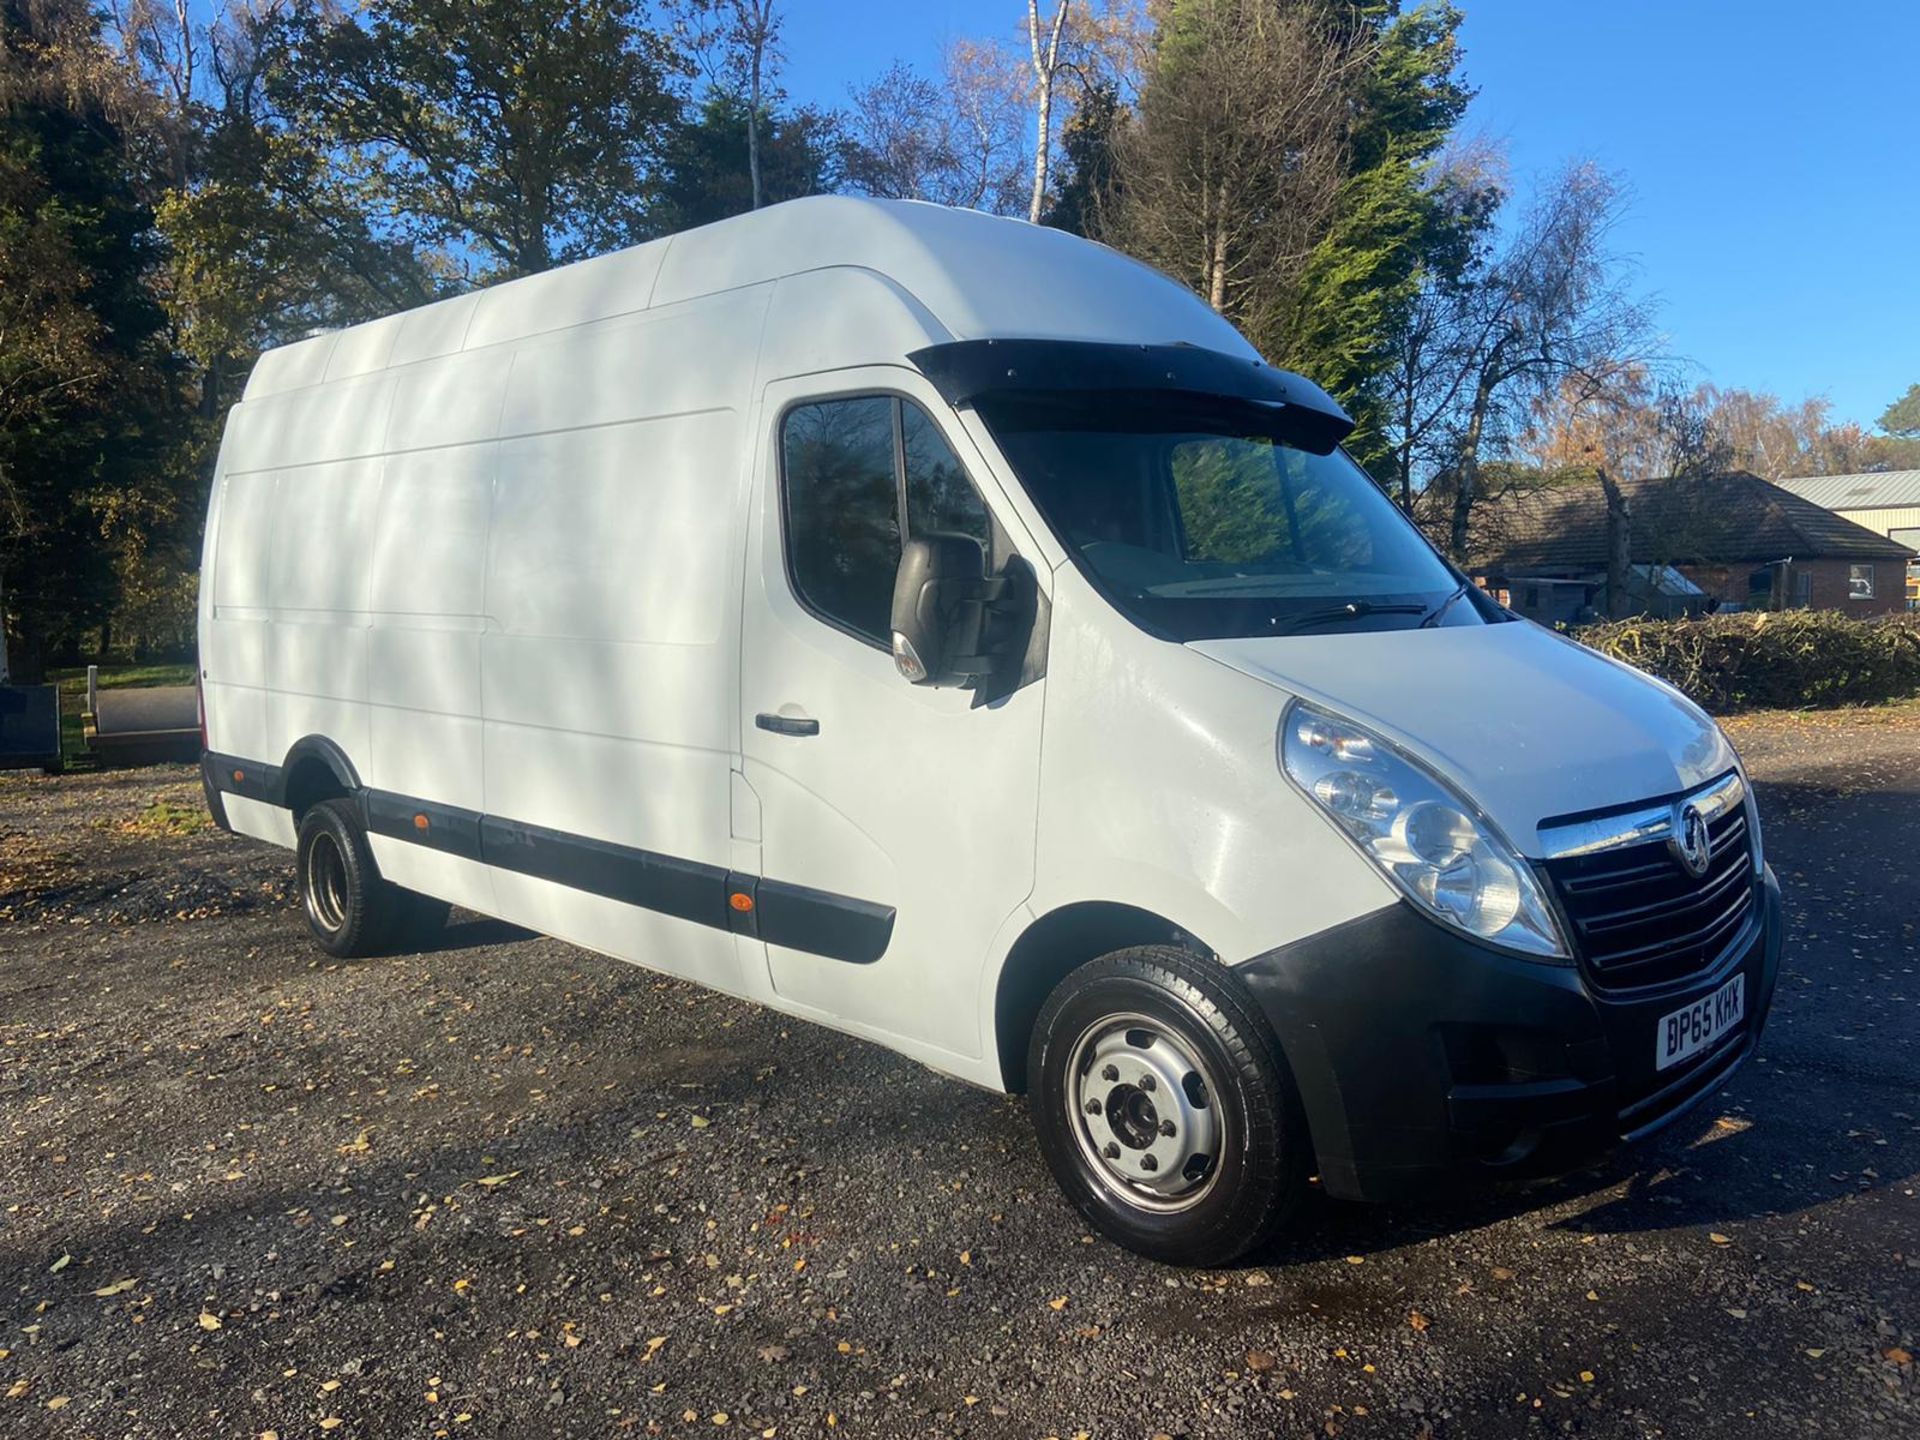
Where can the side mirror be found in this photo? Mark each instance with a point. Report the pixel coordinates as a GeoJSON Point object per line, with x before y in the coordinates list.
{"type": "Point", "coordinates": [941, 594]}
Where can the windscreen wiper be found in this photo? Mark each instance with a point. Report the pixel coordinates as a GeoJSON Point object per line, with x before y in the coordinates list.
{"type": "Point", "coordinates": [1433, 617]}
{"type": "Point", "coordinates": [1352, 610]}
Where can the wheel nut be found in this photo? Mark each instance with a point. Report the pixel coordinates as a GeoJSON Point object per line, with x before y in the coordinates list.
{"type": "Point", "coordinates": [1146, 1083]}
{"type": "Point", "coordinates": [1112, 1152]}
{"type": "Point", "coordinates": [1147, 1162]}
{"type": "Point", "coordinates": [1166, 1128]}
{"type": "Point", "coordinates": [1110, 1073]}
{"type": "Point", "coordinates": [1093, 1107]}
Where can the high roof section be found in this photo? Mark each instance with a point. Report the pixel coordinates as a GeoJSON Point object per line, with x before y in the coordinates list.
{"type": "Point", "coordinates": [1881, 490]}
{"type": "Point", "coordinates": [976, 275]}
{"type": "Point", "coordinates": [1730, 519]}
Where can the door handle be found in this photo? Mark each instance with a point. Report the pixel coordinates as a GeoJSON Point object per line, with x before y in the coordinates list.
{"type": "Point", "coordinates": [786, 724]}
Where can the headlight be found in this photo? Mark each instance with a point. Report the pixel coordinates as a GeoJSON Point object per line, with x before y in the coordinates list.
{"type": "Point", "coordinates": [1451, 862]}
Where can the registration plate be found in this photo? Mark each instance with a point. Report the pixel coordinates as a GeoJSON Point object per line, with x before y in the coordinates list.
{"type": "Point", "coordinates": [1694, 1028]}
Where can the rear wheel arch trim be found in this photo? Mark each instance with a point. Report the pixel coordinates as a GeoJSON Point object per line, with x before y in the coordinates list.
{"type": "Point", "coordinates": [317, 750]}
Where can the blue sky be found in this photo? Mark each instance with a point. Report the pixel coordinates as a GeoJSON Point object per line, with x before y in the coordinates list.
{"type": "Point", "coordinates": [1772, 149]}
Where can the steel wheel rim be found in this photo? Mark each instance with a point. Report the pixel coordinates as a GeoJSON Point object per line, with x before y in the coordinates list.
{"type": "Point", "coordinates": [1145, 1111]}
{"type": "Point", "coordinates": [326, 883]}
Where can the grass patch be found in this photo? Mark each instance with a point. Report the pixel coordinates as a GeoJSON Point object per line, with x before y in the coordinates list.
{"type": "Point", "coordinates": [167, 816]}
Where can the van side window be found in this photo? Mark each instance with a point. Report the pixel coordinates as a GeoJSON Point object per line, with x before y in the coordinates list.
{"type": "Point", "coordinates": [843, 509]}
{"type": "Point", "coordinates": [852, 469]}
{"type": "Point", "coordinates": [939, 495]}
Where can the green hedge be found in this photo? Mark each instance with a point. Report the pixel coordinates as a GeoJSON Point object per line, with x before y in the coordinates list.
{"type": "Point", "coordinates": [1781, 659]}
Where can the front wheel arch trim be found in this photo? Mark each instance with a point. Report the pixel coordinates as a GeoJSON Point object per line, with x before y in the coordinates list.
{"type": "Point", "coordinates": [1052, 947]}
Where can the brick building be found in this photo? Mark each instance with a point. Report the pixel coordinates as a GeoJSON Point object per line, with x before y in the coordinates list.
{"type": "Point", "coordinates": [1697, 543]}
{"type": "Point", "coordinates": [1886, 502]}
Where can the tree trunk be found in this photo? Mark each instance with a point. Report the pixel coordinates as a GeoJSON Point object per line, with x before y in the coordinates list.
{"type": "Point", "coordinates": [753, 116]}
{"type": "Point", "coordinates": [1404, 456]}
{"type": "Point", "coordinates": [1619, 545]}
{"type": "Point", "coordinates": [5, 675]}
{"type": "Point", "coordinates": [1045, 65]}
{"type": "Point", "coordinates": [1039, 201]}
{"type": "Point", "coordinates": [1217, 258]}
{"type": "Point", "coordinates": [1467, 470]}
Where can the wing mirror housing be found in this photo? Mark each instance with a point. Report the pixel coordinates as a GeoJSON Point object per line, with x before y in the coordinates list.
{"type": "Point", "coordinates": [942, 597]}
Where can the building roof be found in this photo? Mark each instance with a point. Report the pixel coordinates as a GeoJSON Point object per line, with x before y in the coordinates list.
{"type": "Point", "coordinates": [1729, 519]}
{"type": "Point", "coordinates": [1880, 490]}
{"type": "Point", "coordinates": [975, 276]}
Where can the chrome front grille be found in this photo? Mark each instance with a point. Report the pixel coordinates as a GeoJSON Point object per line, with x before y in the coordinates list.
{"type": "Point", "coordinates": [1639, 917]}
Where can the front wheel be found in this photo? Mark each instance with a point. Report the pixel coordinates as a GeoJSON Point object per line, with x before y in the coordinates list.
{"type": "Point", "coordinates": [1164, 1107]}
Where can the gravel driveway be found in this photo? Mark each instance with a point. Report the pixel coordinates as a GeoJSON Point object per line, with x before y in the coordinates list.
{"type": "Point", "coordinates": [509, 1188]}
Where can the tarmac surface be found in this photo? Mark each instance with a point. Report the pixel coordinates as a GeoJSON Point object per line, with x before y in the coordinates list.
{"type": "Point", "coordinates": [510, 1188]}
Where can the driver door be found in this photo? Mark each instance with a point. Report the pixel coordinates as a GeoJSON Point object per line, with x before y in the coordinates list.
{"type": "Point", "coordinates": [896, 821]}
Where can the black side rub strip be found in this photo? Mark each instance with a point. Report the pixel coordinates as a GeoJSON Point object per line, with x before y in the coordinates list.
{"type": "Point", "coordinates": [672, 886]}
{"type": "Point", "coordinates": [822, 923]}
{"type": "Point", "coordinates": [794, 917]}
{"type": "Point", "coordinates": [438, 827]}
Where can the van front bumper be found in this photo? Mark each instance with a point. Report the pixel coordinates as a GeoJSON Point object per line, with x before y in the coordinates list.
{"type": "Point", "coordinates": [1421, 1055]}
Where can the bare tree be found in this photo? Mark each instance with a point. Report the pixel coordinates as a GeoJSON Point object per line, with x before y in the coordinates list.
{"type": "Point", "coordinates": [756, 29]}
{"type": "Point", "coordinates": [158, 38]}
{"type": "Point", "coordinates": [1236, 155]}
{"type": "Point", "coordinates": [959, 140]}
{"type": "Point", "coordinates": [1432, 356]}
{"type": "Point", "coordinates": [1046, 68]}
{"type": "Point", "coordinates": [1547, 307]}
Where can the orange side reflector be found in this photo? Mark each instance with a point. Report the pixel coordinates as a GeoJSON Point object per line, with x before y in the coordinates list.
{"type": "Point", "coordinates": [238, 776]}
{"type": "Point", "coordinates": [420, 822]}
{"type": "Point", "coordinates": [740, 901]}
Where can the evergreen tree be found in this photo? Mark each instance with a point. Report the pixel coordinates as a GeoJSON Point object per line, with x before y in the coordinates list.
{"type": "Point", "coordinates": [92, 410]}
{"type": "Point", "coordinates": [703, 177]}
{"type": "Point", "coordinates": [1393, 218]}
{"type": "Point", "coordinates": [1084, 178]}
{"type": "Point", "coordinates": [1902, 418]}
{"type": "Point", "coordinates": [1282, 162]}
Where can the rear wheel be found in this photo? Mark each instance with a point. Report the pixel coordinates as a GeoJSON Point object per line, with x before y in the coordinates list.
{"type": "Point", "coordinates": [1164, 1107]}
{"type": "Point", "coordinates": [350, 909]}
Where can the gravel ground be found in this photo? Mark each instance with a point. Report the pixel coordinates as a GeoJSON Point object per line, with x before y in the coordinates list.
{"type": "Point", "coordinates": [509, 1188]}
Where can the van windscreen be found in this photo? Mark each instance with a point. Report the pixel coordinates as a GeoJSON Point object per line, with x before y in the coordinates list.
{"type": "Point", "coordinates": [1200, 522]}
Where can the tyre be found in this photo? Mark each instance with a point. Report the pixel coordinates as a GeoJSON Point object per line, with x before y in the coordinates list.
{"type": "Point", "coordinates": [1165, 1108]}
{"type": "Point", "coordinates": [350, 909]}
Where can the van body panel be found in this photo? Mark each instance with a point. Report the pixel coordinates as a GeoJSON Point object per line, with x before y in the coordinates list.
{"type": "Point", "coordinates": [579, 294]}
{"type": "Point", "coordinates": [343, 421]}
{"type": "Point", "coordinates": [451, 401]}
{"type": "Point", "coordinates": [293, 366]}
{"type": "Point", "coordinates": [634, 368]}
{"type": "Point", "coordinates": [918, 800]}
{"type": "Point", "coordinates": [1220, 844]}
{"type": "Point", "coordinates": [363, 349]}
{"type": "Point", "coordinates": [610, 651]}
{"type": "Point", "coordinates": [956, 264]}
{"type": "Point", "coordinates": [429, 332]}
{"type": "Point", "coordinates": [818, 320]}
{"type": "Point", "coordinates": [1497, 709]}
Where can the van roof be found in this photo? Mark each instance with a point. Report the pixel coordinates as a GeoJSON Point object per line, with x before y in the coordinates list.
{"type": "Point", "coordinates": [975, 276]}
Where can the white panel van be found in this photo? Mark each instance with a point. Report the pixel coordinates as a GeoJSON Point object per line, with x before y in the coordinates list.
{"type": "Point", "coordinates": [951, 631]}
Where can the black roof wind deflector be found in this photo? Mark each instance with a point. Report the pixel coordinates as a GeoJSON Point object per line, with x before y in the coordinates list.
{"type": "Point", "coordinates": [964, 371]}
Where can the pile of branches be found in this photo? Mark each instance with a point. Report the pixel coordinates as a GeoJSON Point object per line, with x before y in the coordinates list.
{"type": "Point", "coordinates": [1772, 659]}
